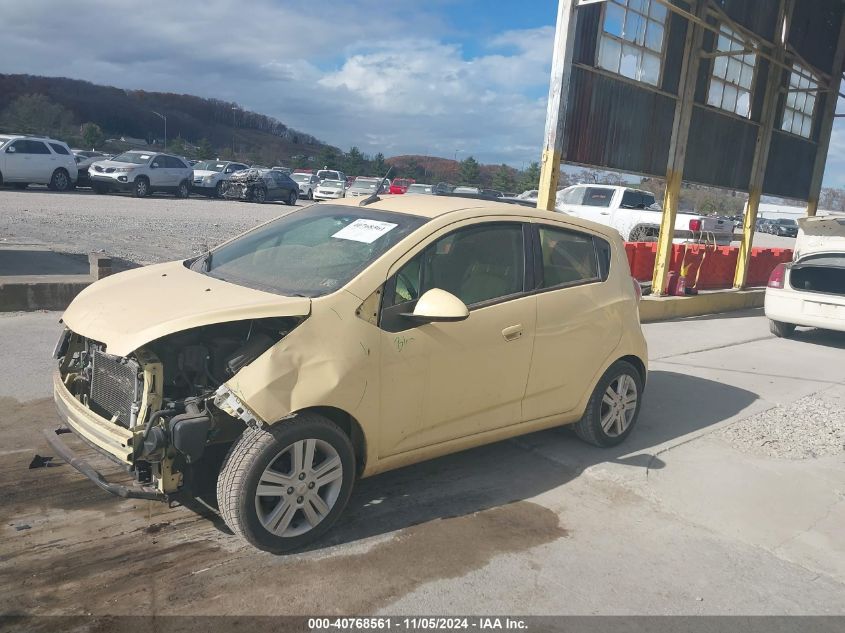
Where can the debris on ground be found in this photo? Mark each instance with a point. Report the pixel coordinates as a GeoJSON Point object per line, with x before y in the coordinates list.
{"type": "Point", "coordinates": [813, 426]}
{"type": "Point", "coordinates": [155, 528]}
{"type": "Point", "coordinates": [41, 462]}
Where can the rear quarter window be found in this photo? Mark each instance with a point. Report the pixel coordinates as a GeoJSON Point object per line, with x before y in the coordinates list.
{"type": "Point", "coordinates": [59, 149]}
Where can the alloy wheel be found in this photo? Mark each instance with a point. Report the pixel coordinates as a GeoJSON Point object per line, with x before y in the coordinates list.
{"type": "Point", "coordinates": [299, 488]}
{"type": "Point", "coordinates": [619, 405]}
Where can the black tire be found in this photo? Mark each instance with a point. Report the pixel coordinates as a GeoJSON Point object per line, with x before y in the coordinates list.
{"type": "Point", "coordinates": [218, 190]}
{"type": "Point", "coordinates": [246, 463]}
{"type": "Point", "coordinates": [589, 428]}
{"type": "Point", "coordinates": [292, 198]}
{"type": "Point", "coordinates": [781, 329]}
{"type": "Point", "coordinates": [60, 181]}
{"type": "Point", "coordinates": [259, 195]}
{"type": "Point", "coordinates": [310, 194]}
{"type": "Point", "coordinates": [183, 190]}
{"type": "Point", "coordinates": [141, 188]}
{"type": "Point", "coordinates": [638, 234]}
{"type": "Point", "coordinates": [21, 185]}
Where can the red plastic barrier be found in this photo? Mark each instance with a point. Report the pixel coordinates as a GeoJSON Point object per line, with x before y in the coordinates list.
{"type": "Point", "coordinates": [717, 265]}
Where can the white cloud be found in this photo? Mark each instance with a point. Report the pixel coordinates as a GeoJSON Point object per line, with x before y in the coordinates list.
{"type": "Point", "coordinates": [343, 75]}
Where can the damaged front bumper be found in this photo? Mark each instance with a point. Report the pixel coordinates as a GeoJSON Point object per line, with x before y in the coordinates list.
{"type": "Point", "coordinates": [127, 492]}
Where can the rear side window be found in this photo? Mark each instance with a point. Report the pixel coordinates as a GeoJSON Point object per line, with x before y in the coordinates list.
{"type": "Point", "coordinates": [568, 258]}
{"type": "Point", "coordinates": [59, 149]}
{"type": "Point", "coordinates": [597, 197]}
{"type": "Point", "coordinates": [173, 162]}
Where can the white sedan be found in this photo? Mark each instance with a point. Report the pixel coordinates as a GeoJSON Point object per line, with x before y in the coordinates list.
{"type": "Point", "coordinates": [810, 290]}
{"type": "Point", "coordinates": [330, 190]}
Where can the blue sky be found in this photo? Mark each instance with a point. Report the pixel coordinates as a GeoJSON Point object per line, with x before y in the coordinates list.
{"type": "Point", "coordinates": [401, 77]}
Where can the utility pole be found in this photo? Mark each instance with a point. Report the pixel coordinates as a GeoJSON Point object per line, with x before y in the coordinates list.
{"type": "Point", "coordinates": [234, 125]}
{"type": "Point", "coordinates": [165, 126]}
{"type": "Point", "coordinates": [553, 140]}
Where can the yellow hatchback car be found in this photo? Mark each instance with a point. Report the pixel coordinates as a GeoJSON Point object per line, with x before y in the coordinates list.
{"type": "Point", "coordinates": [343, 340]}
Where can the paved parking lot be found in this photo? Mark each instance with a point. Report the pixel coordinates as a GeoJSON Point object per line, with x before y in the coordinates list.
{"type": "Point", "coordinates": [693, 515]}
{"type": "Point", "coordinates": [148, 230]}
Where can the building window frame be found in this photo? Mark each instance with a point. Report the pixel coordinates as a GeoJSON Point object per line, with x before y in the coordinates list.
{"type": "Point", "coordinates": [615, 41]}
{"type": "Point", "coordinates": [732, 74]}
{"type": "Point", "coordinates": [792, 111]}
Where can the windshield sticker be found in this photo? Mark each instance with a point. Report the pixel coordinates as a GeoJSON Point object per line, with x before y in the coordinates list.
{"type": "Point", "coordinates": [145, 156]}
{"type": "Point", "coordinates": [366, 231]}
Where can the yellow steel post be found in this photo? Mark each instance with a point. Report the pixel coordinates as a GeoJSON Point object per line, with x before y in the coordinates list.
{"type": "Point", "coordinates": [761, 146]}
{"type": "Point", "coordinates": [556, 109]}
{"type": "Point", "coordinates": [678, 150]}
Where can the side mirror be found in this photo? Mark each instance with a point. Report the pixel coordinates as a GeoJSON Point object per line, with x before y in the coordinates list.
{"type": "Point", "coordinates": [10, 149]}
{"type": "Point", "coordinates": [154, 166]}
{"type": "Point", "coordinates": [437, 305]}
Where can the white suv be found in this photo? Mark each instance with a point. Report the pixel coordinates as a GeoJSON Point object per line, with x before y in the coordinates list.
{"type": "Point", "coordinates": [37, 160]}
{"type": "Point", "coordinates": [142, 173]}
{"type": "Point", "coordinates": [209, 176]}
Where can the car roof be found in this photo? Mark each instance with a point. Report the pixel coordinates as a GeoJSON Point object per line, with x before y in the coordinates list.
{"type": "Point", "coordinates": [436, 206]}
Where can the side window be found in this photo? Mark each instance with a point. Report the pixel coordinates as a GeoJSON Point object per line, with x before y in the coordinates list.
{"type": "Point", "coordinates": [407, 283]}
{"type": "Point", "coordinates": [175, 163]}
{"type": "Point", "coordinates": [632, 200]}
{"type": "Point", "coordinates": [567, 257]}
{"type": "Point", "coordinates": [597, 197]}
{"type": "Point", "coordinates": [21, 147]}
{"type": "Point", "coordinates": [574, 195]}
{"type": "Point", "coordinates": [59, 149]}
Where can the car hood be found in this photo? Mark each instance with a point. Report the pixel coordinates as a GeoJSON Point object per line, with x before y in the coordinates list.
{"type": "Point", "coordinates": [820, 234]}
{"type": "Point", "coordinates": [115, 163]}
{"type": "Point", "coordinates": [129, 309]}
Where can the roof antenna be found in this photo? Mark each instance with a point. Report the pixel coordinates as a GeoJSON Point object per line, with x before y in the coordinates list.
{"type": "Point", "coordinates": [373, 197]}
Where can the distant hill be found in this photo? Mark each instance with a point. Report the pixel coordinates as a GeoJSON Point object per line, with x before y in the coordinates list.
{"type": "Point", "coordinates": [129, 114]}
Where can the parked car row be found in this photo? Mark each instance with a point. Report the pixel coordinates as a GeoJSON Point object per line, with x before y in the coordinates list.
{"type": "Point", "coordinates": [784, 227]}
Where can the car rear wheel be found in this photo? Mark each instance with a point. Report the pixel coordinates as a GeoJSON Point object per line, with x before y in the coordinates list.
{"type": "Point", "coordinates": [141, 188]}
{"type": "Point", "coordinates": [183, 190]}
{"type": "Point", "coordinates": [60, 181]}
{"type": "Point", "coordinates": [614, 407]}
{"type": "Point", "coordinates": [281, 488]}
{"type": "Point", "coordinates": [781, 329]}
{"type": "Point", "coordinates": [259, 195]}
{"type": "Point", "coordinates": [292, 198]}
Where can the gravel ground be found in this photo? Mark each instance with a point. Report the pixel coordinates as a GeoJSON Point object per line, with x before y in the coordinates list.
{"type": "Point", "coordinates": [148, 230]}
{"type": "Point", "coordinates": [813, 426]}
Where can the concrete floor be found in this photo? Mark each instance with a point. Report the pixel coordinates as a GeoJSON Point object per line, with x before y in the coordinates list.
{"type": "Point", "coordinates": [675, 521]}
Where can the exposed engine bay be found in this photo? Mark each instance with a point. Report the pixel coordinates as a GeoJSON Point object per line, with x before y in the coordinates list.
{"type": "Point", "coordinates": [164, 391]}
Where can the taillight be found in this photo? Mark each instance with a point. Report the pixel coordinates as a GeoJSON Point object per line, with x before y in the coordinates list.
{"type": "Point", "coordinates": [778, 276]}
{"type": "Point", "coordinates": [637, 289]}
{"type": "Point", "coordinates": [695, 225]}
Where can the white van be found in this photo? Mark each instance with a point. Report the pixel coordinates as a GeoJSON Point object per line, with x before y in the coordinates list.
{"type": "Point", "coordinates": [26, 160]}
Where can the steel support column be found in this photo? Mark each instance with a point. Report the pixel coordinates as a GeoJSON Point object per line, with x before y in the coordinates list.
{"type": "Point", "coordinates": [678, 149]}
{"type": "Point", "coordinates": [761, 146]}
{"type": "Point", "coordinates": [553, 141]}
{"type": "Point", "coordinates": [826, 128]}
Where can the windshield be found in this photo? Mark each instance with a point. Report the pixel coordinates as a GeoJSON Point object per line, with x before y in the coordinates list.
{"type": "Point", "coordinates": [365, 183]}
{"type": "Point", "coordinates": [419, 189]}
{"type": "Point", "coordinates": [210, 165]}
{"type": "Point", "coordinates": [301, 177]}
{"type": "Point", "coordinates": [333, 183]}
{"type": "Point", "coordinates": [132, 157]}
{"type": "Point", "coordinates": [309, 253]}
{"type": "Point", "coordinates": [327, 174]}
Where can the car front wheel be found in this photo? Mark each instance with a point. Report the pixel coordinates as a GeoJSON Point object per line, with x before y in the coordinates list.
{"type": "Point", "coordinates": [141, 188]}
{"type": "Point", "coordinates": [614, 406]}
{"type": "Point", "coordinates": [282, 487]}
{"type": "Point", "coordinates": [259, 195]}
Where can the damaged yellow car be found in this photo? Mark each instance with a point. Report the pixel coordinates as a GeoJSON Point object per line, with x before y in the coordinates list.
{"type": "Point", "coordinates": [343, 340]}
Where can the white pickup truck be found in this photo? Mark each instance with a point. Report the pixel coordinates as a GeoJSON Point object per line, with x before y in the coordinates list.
{"type": "Point", "coordinates": [634, 214]}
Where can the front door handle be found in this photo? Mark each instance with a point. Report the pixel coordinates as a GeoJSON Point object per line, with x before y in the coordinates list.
{"type": "Point", "coordinates": [513, 332]}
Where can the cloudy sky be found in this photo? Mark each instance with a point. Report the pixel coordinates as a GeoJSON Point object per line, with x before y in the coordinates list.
{"type": "Point", "coordinates": [405, 76]}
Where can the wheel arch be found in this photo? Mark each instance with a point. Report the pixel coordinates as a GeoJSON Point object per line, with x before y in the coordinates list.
{"type": "Point", "coordinates": [638, 364]}
{"type": "Point", "coordinates": [351, 427]}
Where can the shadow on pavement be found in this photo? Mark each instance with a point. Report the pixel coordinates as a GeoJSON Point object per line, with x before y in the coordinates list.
{"type": "Point", "coordinates": [674, 405]}
{"type": "Point", "coordinates": [827, 338]}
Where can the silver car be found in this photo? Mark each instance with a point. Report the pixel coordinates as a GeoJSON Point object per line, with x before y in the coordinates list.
{"type": "Point", "coordinates": [142, 173]}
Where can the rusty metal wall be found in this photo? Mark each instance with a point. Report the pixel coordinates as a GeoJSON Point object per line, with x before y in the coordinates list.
{"type": "Point", "coordinates": [616, 123]}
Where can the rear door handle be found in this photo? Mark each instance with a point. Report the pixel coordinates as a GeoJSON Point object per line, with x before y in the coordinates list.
{"type": "Point", "coordinates": [513, 332]}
